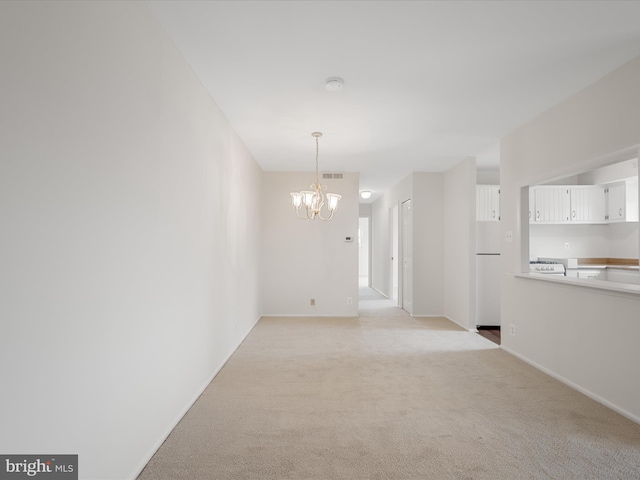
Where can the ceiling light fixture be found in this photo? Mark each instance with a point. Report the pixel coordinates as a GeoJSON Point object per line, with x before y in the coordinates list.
{"type": "Point", "coordinates": [334, 84]}
{"type": "Point", "coordinates": [312, 201]}
{"type": "Point", "coordinates": [365, 194]}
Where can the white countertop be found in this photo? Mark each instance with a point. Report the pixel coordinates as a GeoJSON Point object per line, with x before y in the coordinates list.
{"type": "Point", "coordinates": [628, 288]}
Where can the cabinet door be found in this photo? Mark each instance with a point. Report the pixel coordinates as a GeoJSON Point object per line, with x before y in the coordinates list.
{"type": "Point", "coordinates": [487, 203]}
{"type": "Point", "coordinates": [622, 201]}
{"type": "Point", "coordinates": [553, 204]}
{"type": "Point", "coordinates": [532, 204]}
{"type": "Point", "coordinates": [616, 203]}
{"type": "Point", "coordinates": [483, 202]}
{"type": "Point", "coordinates": [587, 203]}
{"type": "Point", "coordinates": [495, 204]}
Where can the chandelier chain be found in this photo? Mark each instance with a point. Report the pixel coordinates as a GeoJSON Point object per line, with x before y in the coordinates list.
{"type": "Point", "coordinates": [317, 174]}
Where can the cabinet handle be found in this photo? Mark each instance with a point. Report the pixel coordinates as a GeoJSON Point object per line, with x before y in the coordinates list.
{"type": "Point", "coordinates": [537, 214]}
{"type": "Point", "coordinates": [620, 212]}
{"type": "Point", "coordinates": [573, 214]}
{"type": "Point", "coordinates": [493, 215]}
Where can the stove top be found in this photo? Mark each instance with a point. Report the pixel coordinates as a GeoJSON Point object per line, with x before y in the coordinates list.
{"type": "Point", "coordinates": [546, 268]}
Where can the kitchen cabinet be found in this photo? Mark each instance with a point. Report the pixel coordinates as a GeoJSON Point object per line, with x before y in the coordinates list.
{"type": "Point", "coordinates": [532, 204]}
{"type": "Point", "coordinates": [487, 203]}
{"type": "Point", "coordinates": [588, 203]}
{"type": "Point", "coordinates": [552, 204]}
{"type": "Point", "coordinates": [622, 201]}
{"type": "Point", "coordinates": [586, 273]}
{"type": "Point", "coordinates": [623, 276]}
{"type": "Point", "coordinates": [567, 204]}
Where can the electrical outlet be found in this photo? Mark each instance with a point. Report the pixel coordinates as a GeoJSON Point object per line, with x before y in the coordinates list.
{"type": "Point", "coordinates": [312, 302]}
{"type": "Point", "coordinates": [567, 246]}
{"type": "Point", "coordinates": [349, 300]}
{"type": "Point", "coordinates": [512, 329]}
{"type": "Point", "coordinates": [508, 236]}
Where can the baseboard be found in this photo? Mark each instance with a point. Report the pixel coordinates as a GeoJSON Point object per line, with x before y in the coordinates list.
{"type": "Point", "coordinates": [474, 330]}
{"type": "Point", "coordinates": [307, 315]}
{"type": "Point", "coordinates": [575, 386]}
{"type": "Point", "coordinates": [381, 293]}
{"type": "Point", "coordinates": [183, 412]}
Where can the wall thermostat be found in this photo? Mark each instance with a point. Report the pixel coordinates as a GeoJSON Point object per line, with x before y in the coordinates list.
{"type": "Point", "coordinates": [348, 239]}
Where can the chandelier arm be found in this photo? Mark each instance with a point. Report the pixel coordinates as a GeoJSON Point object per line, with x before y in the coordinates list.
{"type": "Point", "coordinates": [300, 216]}
{"type": "Point", "coordinates": [328, 218]}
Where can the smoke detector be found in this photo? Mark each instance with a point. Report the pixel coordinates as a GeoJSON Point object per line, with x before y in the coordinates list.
{"type": "Point", "coordinates": [334, 84]}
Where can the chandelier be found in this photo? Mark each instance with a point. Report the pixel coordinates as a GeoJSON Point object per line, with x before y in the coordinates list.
{"type": "Point", "coordinates": [308, 203]}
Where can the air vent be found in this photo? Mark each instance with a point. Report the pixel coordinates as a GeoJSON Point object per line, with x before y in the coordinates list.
{"type": "Point", "coordinates": [333, 175]}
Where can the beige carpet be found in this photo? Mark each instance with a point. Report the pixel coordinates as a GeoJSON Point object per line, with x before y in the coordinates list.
{"type": "Point", "coordinates": [373, 304]}
{"type": "Point", "coordinates": [390, 398]}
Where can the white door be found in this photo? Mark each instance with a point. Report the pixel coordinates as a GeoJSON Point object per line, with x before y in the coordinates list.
{"type": "Point", "coordinates": [395, 252]}
{"type": "Point", "coordinates": [407, 257]}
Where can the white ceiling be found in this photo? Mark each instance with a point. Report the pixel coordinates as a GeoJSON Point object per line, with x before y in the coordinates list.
{"type": "Point", "coordinates": [426, 83]}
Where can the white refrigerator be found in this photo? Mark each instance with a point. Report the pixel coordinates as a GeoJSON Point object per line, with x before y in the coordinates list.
{"type": "Point", "coordinates": [488, 273]}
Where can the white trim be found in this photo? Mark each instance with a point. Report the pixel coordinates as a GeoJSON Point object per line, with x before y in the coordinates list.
{"type": "Point", "coordinates": [185, 409]}
{"type": "Point", "coordinates": [575, 386]}
{"type": "Point", "coordinates": [309, 315]}
{"type": "Point", "coordinates": [381, 293]}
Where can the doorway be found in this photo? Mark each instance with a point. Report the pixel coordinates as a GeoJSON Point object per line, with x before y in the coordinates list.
{"type": "Point", "coordinates": [364, 251]}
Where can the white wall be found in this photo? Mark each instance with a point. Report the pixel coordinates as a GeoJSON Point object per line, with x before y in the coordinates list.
{"type": "Point", "coordinates": [576, 135]}
{"type": "Point", "coordinates": [428, 243]}
{"type": "Point", "coordinates": [304, 259]}
{"type": "Point", "coordinates": [488, 177]}
{"type": "Point", "coordinates": [130, 234]}
{"type": "Point", "coordinates": [615, 240]}
{"type": "Point", "coordinates": [459, 232]}
{"type": "Point", "coordinates": [585, 241]}
{"type": "Point", "coordinates": [365, 209]}
{"type": "Point", "coordinates": [426, 192]}
{"type": "Point", "coordinates": [623, 240]}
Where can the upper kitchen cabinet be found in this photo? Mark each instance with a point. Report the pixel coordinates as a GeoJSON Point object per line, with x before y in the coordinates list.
{"type": "Point", "coordinates": [622, 201]}
{"type": "Point", "coordinates": [487, 203]}
{"type": "Point", "coordinates": [567, 204]}
{"type": "Point", "coordinates": [588, 203]}
{"type": "Point", "coordinates": [552, 204]}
